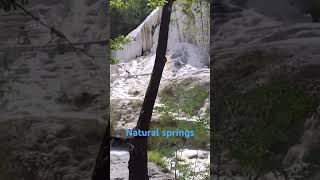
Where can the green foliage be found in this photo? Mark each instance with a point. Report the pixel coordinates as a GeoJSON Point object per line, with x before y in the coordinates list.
{"type": "Point", "coordinates": [176, 100]}
{"type": "Point", "coordinates": [122, 4]}
{"type": "Point", "coordinates": [156, 157]}
{"type": "Point", "coordinates": [152, 4]}
{"type": "Point", "coordinates": [189, 100]}
{"type": "Point", "coordinates": [186, 100]}
{"type": "Point", "coordinates": [168, 122]}
{"type": "Point", "coordinates": [119, 4]}
{"type": "Point", "coordinates": [117, 44]}
{"type": "Point", "coordinates": [187, 5]}
{"type": "Point", "coordinates": [187, 172]}
{"type": "Point", "coordinates": [114, 60]}
{"type": "Point", "coordinates": [9, 5]}
{"type": "Point", "coordinates": [127, 16]}
{"type": "Point", "coordinates": [193, 99]}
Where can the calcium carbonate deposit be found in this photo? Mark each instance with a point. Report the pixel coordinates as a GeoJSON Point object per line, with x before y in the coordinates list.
{"type": "Point", "coordinates": [187, 62]}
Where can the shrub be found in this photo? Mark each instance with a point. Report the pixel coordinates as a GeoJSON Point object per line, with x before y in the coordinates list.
{"type": "Point", "coordinates": [156, 157]}
{"type": "Point", "coordinates": [186, 100]}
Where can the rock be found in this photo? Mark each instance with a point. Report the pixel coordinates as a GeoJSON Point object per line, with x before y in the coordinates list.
{"type": "Point", "coordinates": [37, 78]}
{"type": "Point", "coordinates": [222, 11]}
{"type": "Point", "coordinates": [184, 30]}
{"type": "Point", "coordinates": [71, 177]}
{"type": "Point", "coordinates": [206, 108]}
{"type": "Point", "coordinates": [258, 28]}
{"type": "Point", "coordinates": [61, 150]}
{"type": "Point", "coordinates": [192, 154]}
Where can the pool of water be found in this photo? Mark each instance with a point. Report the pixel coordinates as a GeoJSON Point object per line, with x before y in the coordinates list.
{"type": "Point", "coordinates": [118, 151]}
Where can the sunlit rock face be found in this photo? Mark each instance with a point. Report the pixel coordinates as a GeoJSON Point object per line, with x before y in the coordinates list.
{"type": "Point", "coordinates": [186, 67]}
{"type": "Point", "coordinates": [187, 58]}
{"type": "Point", "coordinates": [188, 27]}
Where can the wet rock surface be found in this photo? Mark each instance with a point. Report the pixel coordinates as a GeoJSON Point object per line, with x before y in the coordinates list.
{"type": "Point", "coordinates": [52, 97]}
{"type": "Point", "coordinates": [251, 48]}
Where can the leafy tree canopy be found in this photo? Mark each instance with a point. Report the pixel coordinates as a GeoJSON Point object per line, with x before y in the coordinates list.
{"type": "Point", "coordinates": [125, 4]}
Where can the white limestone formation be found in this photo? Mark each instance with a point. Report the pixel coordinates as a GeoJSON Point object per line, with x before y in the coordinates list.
{"type": "Point", "coordinates": [189, 31]}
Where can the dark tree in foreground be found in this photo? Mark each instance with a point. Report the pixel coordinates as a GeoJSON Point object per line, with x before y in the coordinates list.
{"type": "Point", "coordinates": [138, 169]}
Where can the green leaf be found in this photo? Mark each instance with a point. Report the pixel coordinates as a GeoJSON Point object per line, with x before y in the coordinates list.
{"type": "Point", "coordinates": [156, 3]}
{"type": "Point", "coordinates": [119, 4]}
{"type": "Point", "coordinates": [117, 43]}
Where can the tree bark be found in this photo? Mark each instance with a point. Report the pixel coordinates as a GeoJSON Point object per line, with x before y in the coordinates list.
{"type": "Point", "coordinates": [138, 163]}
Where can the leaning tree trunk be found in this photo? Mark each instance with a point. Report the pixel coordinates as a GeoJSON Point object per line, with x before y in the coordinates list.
{"type": "Point", "coordinates": [138, 169]}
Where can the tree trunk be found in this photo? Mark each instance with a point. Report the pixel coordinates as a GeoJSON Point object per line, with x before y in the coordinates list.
{"type": "Point", "coordinates": [101, 169]}
{"type": "Point", "coordinates": [138, 169]}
